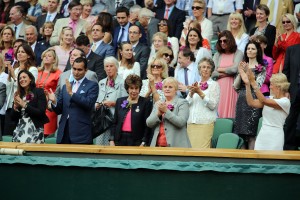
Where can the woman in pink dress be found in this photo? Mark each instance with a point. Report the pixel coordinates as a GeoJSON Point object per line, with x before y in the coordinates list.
{"type": "Point", "coordinates": [227, 59]}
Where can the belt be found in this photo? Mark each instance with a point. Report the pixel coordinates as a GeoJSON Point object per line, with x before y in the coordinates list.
{"type": "Point", "coordinates": [220, 15]}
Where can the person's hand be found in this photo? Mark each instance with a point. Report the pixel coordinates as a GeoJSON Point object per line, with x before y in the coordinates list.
{"type": "Point", "coordinates": [19, 102]}
{"type": "Point", "coordinates": [287, 95]}
{"type": "Point", "coordinates": [182, 87]}
{"type": "Point", "coordinates": [251, 77]}
{"type": "Point", "coordinates": [51, 96]}
{"type": "Point", "coordinates": [162, 107]}
{"type": "Point", "coordinates": [97, 106]}
{"type": "Point", "coordinates": [150, 78]}
{"type": "Point", "coordinates": [252, 38]}
{"type": "Point", "coordinates": [112, 143]}
{"type": "Point", "coordinates": [108, 103]}
{"type": "Point", "coordinates": [69, 87]}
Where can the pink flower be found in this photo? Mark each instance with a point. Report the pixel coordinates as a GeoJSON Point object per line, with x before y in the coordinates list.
{"type": "Point", "coordinates": [203, 86]}
{"type": "Point", "coordinates": [169, 44]}
{"type": "Point", "coordinates": [29, 96]}
{"type": "Point", "coordinates": [170, 107]}
{"type": "Point", "coordinates": [111, 83]}
{"type": "Point", "coordinates": [158, 85]}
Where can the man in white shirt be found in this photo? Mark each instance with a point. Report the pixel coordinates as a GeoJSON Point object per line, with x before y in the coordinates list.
{"type": "Point", "coordinates": [187, 72]}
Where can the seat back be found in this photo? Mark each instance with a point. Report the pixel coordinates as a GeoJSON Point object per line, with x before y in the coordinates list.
{"type": "Point", "coordinates": [6, 138]}
{"type": "Point", "coordinates": [51, 140]}
{"type": "Point", "coordinates": [222, 125]}
{"type": "Point", "coordinates": [228, 141]}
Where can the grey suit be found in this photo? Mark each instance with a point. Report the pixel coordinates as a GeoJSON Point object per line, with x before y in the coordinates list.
{"type": "Point", "coordinates": [175, 123]}
{"type": "Point", "coordinates": [110, 5]}
{"type": "Point", "coordinates": [90, 75]}
{"type": "Point", "coordinates": [152, 29]}
{"type": "Point", "coordinates": [141, 55]}
{"type": "Point", "coordinates": [22, 30]}
{"type": "Point", "coordinates": [104, 50]}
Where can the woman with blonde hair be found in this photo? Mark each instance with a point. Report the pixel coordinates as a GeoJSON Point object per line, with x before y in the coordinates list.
{"type": "Point", "coordinates": [159, 40]}
{"type": "Point", "coordinates": [126, 61]}
{"type": "Point", "coordinates": [63, 50]}
{"type": "Point", "coordinates": [166, 53]}
{"type": "Point", "coordinates": [48, 77]}
{"type": "Point", "coordinates": [237, 27]}
{"type": "Point", "coordinates": [275, 109]}
{"type": "Point", "coordinates": [157, 71]}
{"type": "Point", "coordinates": [7, 38]}
{"type": "Point", "coordinates": [289, 38]}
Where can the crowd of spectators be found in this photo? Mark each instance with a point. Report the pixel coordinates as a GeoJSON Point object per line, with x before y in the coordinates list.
{"type": "Point", "coordinates": [165, 69]}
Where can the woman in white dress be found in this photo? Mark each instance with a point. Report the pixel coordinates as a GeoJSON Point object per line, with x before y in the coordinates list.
{"type": "Point", "coordinates": [275, 109]}
{"type": "Point", "coordinates": [126, 61]}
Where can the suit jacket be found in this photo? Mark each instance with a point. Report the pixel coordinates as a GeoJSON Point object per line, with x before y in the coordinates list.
{"type": "Point", "coordinates": [2, 101]}
{"type": "Point", "coordinates": [77, 109]}
{"type": "Point", "coordinates": [36, 109]}
{"type": "Point", "coordinates": [251, 4]}
{"type": "Point", "coordinates": [40, 47]}
{"type": "Point", "coordinates": [116, 35]}
{"type": "Point", "coordinates": [60, 23]}
{"type": "Point", "coordinates": [176, 18]}
{"type": "Point", "coordinates": [22, 30]}
{"type": "Point", "coordinates": [104, 50]}
{"type": "Point", "coordinates": [270, 33]}
{"type": "Point", "coordinates": [141, 55]}
{"type": "Point", "coordinates": [151, 30]}
{"type": "Point", "coordinates": [159, 4]}
{"type": "Point", "coordinates": [175, 123]}
{"type": "Point", "coordinates": [140, 131]}
{"type": "Point", "coordinates": [40, 22]}
{"type": "Point", "coordinates": [95, 64]}
{"type": "Point", "coordinates": [90, 75]}
{"type": "Point", "coordinates": [111, 5]}
{"type": "Point", "coordinates": [291, 69]}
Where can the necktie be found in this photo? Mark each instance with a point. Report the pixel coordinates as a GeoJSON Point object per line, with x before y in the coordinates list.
{"type": "Point", "coordinates": [167, 13]}
{"type": "Point", "coordinates": [122, 33]}
{"type": "Point", "coordinates": [117, 3]}
{"type": "Point", "coordinates": [72, 25]}
{"type": "Point", "coordinates": [16, 30]}
{"type": "Point", "coordinates": [75, 87]}
{"type": "Point", "coordinates": [186, 79]}
{"type": "Point", "coordinates": [48, 18]}
{"type": "Point", "coordinates": [272, 4]}
{"type": "Point", "coordinates": [94, 47]}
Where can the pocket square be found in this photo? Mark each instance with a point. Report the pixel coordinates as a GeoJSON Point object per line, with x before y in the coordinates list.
{"type": "Point", "coordinates": [82, 92]}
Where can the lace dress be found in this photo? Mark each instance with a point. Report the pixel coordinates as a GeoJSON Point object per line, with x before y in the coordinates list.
{"type": "Point", "coordinates": [26, 132]}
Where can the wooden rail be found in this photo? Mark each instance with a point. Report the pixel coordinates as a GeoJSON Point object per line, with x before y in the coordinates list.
{"type": "Point", "coordinates": [96, 149]}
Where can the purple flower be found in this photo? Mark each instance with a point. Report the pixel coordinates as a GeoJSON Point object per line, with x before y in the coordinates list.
{"type": "Point", "coordinates": [158, 85]}
{"type": "Point", "coordinates": [170, 107]}
{"type": "Point", "coordinates": [259, 68]}
{"type": "Point", "coordinates": [8, 56]}
{"type": "Point", "coordinates": [111, 83]}
{"type": "Point", "coordinates": [203, 86]}
{"type": "Point", "coordinates": [265, 62]}
{"type": "Point", "coordinates": [125, 104]}
{"type": "Point", "coordinates": [29, 96]}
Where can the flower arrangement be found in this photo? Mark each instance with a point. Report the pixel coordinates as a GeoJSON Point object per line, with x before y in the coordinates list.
{"type": "Point", "coordinates": [158, 85]}
{"type": "Point", "coordinates": [29, 97]}
{"type": "Point", "coordinates": [203, 86]}
{"type": "Point", "coordinates": [125, 104]}
{"type": "Point", "coordinates": [170, 107]}
{"type": "Point", "coordinates": [111, 83]}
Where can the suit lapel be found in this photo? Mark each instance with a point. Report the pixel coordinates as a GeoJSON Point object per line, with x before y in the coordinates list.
{"type": "Point", "coordinates": [82, 86]}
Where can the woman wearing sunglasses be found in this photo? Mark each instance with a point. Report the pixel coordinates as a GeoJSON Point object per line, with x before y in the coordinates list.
{"type": "Point", "coordinates": [288, 38]}
{"type": "Point", "coordinates": [226, 60]}
{"type": "Point", "coordinates": [166, 53]}
{"type": "Point", "coordinates": [157, 71]}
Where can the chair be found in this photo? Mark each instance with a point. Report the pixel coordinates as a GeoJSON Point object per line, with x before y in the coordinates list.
{"type": "Point", "coordinates": [228, 141]}
{"type": "Point", "coordinates": [50, 140]}
{"type": "Point", "coordinates": [221, 126]}
{"type": "Point", "coordinates": [6, 138]}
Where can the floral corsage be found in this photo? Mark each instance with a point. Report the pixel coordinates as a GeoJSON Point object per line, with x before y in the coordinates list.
{"type": "Point", "coordinates": [111, 83]}
{"type": "Point", "coordinates": [258, 68]}
{"type": "Point", "coordinates": [203, 86]}
{"type": "Point", "coordinates": [125, 104]}
{"type": "Point", "coordinates": [170, 107]}
{"type": "Point", "coordinates": [158, 85]}
{"type": "Point", "coordinates": [29, 97]}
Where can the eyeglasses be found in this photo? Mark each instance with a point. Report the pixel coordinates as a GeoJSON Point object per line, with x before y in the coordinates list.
{"type": "Point", "coordinates": [156, 66]}
{"type": "Point", "coordinates": [196, 7]}
{"type": "Point", "coordinates": [286, 22]}
{"type": "Point", "coordinates": [223, 41]}
{"type": "Point", "coordinates": [168, 55]}
{"type": "Point", "coordinates": [162, 24]}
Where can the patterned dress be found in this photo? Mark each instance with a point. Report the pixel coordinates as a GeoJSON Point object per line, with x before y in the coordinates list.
{"type": "Point", "coordinates": [247, 118]}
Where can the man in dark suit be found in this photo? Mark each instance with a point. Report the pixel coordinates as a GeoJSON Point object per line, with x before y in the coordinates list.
{"type": "Point", "coordinates": [149, 22]}
{"type": "Point", "coordinates": [141, 52]}
{"type": "Point", "coordinates": [51, 16]}
{"type": "Point", "coordinates": [151, 4]}
{"type": "Point", "coordinates": [249, 8]}
{"type": "Point", "coordinates": [95, 62]}
{"type": "Point", "coordinates": [111, 5]}
{"type": "Point", "coordinates": [99, 47]}
{"type": "Point", "coordinates": [292, 124]}
{"type": "Point", "coordinates": [38, 48]}
{"type": "Point", "coordinates": [174, 15]}
{"type": "Point", "coordinates": [76, 103]}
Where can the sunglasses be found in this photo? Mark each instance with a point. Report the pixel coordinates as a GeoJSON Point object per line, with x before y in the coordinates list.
{"type": "Point", "coordinates": [168, 55]}
{"type": "Point", "coordinates": [223, 41]}
{"type": "Point", "coordinates": [286, 22]}
{"type": "Point", "coordinates": [196, 7]}
{"type": "Point", "coordinates": [156, 66]}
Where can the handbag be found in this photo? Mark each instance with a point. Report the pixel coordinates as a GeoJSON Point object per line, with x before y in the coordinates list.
{"type": "Point", "coordinates": [102, 119]}
{"type": "Point", "coordinates": [237, 82]}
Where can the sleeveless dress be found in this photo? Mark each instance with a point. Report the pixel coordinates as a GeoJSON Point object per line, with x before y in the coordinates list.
{"type": "Point", "coordinates": [228, 96]}
{"type": "Point", "coordinates": [271, 135]}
